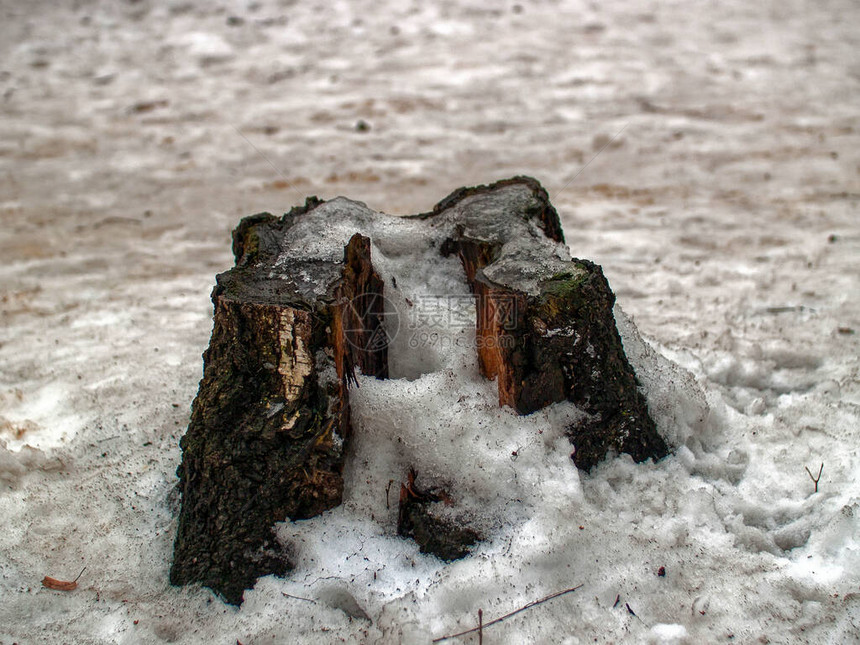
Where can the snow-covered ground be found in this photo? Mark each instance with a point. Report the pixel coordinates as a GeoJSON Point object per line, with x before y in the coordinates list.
{"type": "Point", "coordinates": [723, 208]}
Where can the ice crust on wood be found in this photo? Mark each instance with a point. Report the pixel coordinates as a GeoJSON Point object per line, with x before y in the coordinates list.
{"type": "Point", "coordinates": [313, 301]}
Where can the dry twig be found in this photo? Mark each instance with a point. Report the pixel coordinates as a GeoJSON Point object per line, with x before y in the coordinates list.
{"type": "Point", "coordinates": [481, 624]}
{"type": "Point", "coordinates": [813, 478]}
{"type": "Point", "coordinates": [387, 489]}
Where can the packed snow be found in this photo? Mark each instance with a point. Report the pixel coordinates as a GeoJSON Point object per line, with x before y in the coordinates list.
{"type": "Point", "coordinates": [706, 155]}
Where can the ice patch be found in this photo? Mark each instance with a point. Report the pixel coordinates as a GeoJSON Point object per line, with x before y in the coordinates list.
{"type": "Point", "coordinates": [668, 634]}
{"type": "Point", "coordinates": [206, 47]}
{"type": "Point", "coordinates": [675, 400]}
{"type": "Point", "coordinates": [40, 420]}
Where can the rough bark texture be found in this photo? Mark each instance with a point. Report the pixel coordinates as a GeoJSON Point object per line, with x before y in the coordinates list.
{"type": "Point", "coordinates": [434, 534]}
{"type": "Point", "coordinates": [555, 316]}
{"type": "Point", "coordinates": [260, 447]}
{"type": "Point", "coordinates": [297, 315]}
{"type": "Point", "coordinates": [265, 442]}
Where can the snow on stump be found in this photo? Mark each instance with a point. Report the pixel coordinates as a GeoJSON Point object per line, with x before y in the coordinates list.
{"type": "Point", "coordinates": [305, 306]}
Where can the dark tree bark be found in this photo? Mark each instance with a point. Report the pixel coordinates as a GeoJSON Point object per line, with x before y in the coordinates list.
{"type": "Point", "coordinates": [265, 442]}
{"type": "Point", "coordinates": [296, 316]}
{"type": "Point", "coordinates": [545, 323]}
{"type": "Point", "coordinates": [443, 538]}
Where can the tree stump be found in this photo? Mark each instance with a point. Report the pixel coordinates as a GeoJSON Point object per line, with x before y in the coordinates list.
{"type": "Point", "coordinates": [303, 308]}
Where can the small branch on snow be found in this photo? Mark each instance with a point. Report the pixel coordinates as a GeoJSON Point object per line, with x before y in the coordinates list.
{"type": "Point", "coordinates": [481, 624]}
{"type": "Point", "coordinates": [387, 490]}
{"type": "Point", "coordinates": [813, 478]}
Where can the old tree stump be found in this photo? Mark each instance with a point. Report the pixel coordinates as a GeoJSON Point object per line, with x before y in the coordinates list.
{"type": "Point", "coordinates": [300, 312]}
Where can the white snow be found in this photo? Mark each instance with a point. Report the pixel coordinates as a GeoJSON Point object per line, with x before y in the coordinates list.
{"type": "Point", "coordinates": [724, 212]}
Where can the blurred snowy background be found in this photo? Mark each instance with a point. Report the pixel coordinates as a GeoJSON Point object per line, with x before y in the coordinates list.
{"type": "Point", "coordinates": [723, 207]}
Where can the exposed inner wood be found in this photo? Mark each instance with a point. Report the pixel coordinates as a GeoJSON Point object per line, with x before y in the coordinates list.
{"type": "Point", "coordinates": [358, 312]}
